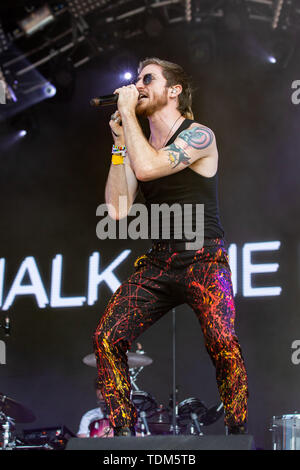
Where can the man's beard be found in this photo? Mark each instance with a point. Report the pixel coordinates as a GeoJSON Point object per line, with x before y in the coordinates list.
{"type": "Point", "coordinates": [148, 109]}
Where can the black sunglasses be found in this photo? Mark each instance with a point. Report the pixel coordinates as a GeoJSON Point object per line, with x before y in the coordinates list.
{"type": "Point", "coordinates": [147, 79]}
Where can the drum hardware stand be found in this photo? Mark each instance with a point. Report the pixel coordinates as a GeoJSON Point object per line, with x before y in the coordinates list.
{"type": "Point", "coordinates": [41, 447]}
{"type": "Point", "coordinates": [134, 371]}
{"type": "Point", "coordinates": [195, 422]}
{"type": "Point", "coordinates": [198, 425]}
{"type": "Point", "coordinates": [144, 425]}
{"type": "Point", "coordinates": [272, 429]}
{"type": "Point", "coordinates": [133, 376]}
{"type": "Point", "coordinates": [7, 444]}
{"type": "Point", "coordinates": [174, 428]}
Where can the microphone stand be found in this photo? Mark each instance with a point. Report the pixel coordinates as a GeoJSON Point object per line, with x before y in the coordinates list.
{"type": "Point", "coordinates": [174, 374]}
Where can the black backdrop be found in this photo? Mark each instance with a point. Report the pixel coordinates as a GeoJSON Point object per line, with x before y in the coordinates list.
{"type": "Point", "coordinates": [51, 186]}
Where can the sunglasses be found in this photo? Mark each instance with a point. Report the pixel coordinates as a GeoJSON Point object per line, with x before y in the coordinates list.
{"type": "Point", "coordinates": [147, 79]}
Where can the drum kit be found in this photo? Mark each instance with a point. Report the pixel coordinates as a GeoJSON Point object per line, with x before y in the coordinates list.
{"type": "Point", "coordinates": [12, 412]}
{"type": "Point", "coordinates": [191, 415]}
{"type": "Point", "coordinates": [188, 417]}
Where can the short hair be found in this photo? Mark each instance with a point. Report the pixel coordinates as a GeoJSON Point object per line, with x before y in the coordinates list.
{"type": "Point", "coordinates": [175, 75]}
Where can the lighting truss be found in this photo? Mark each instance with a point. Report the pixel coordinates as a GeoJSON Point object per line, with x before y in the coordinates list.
{"type": "Point", "coordinates": [279, 14]}
{"type": "Point", "coordinates": [76, 32]}
{"type": "Point", "coordinates": [188, 10]}
{"type": "Point", "coordinates": [83, 7]}
{"type": "Point", "coordinates": [3, 40]}
{"type": "Point", "coordinates": [36, 20]}
{"type": "Point", "coordinates": [78, 26]}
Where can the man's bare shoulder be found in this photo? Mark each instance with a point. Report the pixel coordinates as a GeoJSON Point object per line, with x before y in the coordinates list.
{"type": "Point", "coordinates": [198, 136]}
{"type": "Point", "coordinates": [200, 126]}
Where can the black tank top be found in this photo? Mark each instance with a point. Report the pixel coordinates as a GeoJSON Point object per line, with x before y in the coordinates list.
{"type": "Point", "coordinates": [186, 187]}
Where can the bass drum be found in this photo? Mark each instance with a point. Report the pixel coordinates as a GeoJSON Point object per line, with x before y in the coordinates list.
{"type": "Point", "coordinates": [101, 428]}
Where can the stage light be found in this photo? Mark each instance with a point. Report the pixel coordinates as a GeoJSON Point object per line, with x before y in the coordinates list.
{"type": "Point", "coordinates": [23, 125]}
{"type": "Point", "coordinates": [123, 65]}
{"type": "Point", "coordinates": [127, 76]}
{"type": "Point", "coordinates": [11, 137]}
{"type": "Point", "coordinates": [281, 49]}
{"type": "Point", "coordinates": [49, 90]}
{"type": "Point", "coordinates": [36, 20]}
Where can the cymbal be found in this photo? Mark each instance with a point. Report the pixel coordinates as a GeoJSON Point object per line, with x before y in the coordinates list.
{"type": "Point", "coordinates": [138, 360]}
{"type": "Point", "coordinates": [15, 410]}
{"type": "Point", "coordinates": [134, 360]}
{"type": "Point", "coordinates": [90, 360]}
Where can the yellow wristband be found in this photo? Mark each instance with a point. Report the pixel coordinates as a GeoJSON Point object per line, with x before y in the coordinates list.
{"type": "Point", "coordinates": [117, 159]}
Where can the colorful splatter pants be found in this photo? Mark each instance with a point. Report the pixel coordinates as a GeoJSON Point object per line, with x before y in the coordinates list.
{"type": "Point", "coordinates": [163, 279]}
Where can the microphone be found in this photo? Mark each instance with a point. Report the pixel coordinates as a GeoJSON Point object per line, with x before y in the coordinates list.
{"type": "Point", "coordinates": [104, 100]}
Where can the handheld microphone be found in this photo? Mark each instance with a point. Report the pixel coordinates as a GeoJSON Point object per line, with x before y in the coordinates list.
{"type": "Point", "coordinates": [104, 100]}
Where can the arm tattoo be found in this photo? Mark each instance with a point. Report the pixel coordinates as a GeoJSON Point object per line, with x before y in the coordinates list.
{"type": "Point", "coordinates": [177, 155]}
{"type": "Point", "coordinates": [198, 138]}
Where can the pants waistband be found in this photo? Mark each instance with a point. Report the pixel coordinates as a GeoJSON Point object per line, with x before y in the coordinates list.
{"type": "Point", "coordinates": [171, 245]}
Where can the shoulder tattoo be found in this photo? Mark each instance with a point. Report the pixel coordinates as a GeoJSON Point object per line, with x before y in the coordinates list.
{"type": "Point", "coordinates": [198, 138]}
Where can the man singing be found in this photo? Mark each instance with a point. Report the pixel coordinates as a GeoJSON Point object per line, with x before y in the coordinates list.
{"type": "Point", "coordinates": [177, 165]}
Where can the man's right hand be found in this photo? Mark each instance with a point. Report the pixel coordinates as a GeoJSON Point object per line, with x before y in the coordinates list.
{"type": "Point", "coordinates": [116, 128]}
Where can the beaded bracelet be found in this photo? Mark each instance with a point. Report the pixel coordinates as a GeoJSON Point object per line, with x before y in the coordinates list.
{"type": "Point", "coordinates": [119, 150]}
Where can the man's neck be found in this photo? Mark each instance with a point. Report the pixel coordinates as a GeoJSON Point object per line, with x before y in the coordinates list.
{"type": "Point", "coordinates": [163, 124]}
